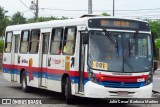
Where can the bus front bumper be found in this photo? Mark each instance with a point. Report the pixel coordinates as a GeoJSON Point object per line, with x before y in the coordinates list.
{"type": "Point", "coordinates": [93, 90]}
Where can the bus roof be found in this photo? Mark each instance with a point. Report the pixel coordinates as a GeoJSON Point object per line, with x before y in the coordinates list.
{"type": "Point", "coordinates": [57, 23]}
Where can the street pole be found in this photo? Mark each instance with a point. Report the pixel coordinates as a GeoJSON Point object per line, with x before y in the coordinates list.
{"type": "Point", "coordinates": [36, 14]}
{"type": "Point", "coordinates": [89, 6]}
{"type": "Point", "coordinates": [113, 8]}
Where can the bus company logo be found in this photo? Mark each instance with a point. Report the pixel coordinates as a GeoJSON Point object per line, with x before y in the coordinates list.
{"type": "Point", "coordinates": [24, 61]}
{"type": "Point", "coordinates": [56, 61]}
{"type": "Point", "coordinates": [140, 80]}
{"type": "Point", "coordinates": [6, 101]}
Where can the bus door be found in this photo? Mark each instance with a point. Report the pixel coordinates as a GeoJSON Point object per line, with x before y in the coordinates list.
{"type": "Point", "coordinates": [82, 61]}
{"type": "Point", "coordinates": [14, 51]}
{"type": "Point", "coordinates": [44, 60]}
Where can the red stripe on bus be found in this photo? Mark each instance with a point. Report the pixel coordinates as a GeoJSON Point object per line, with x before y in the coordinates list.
{"type": "Point", "coordinates": [50, 71]}
{"type": "Point", "coordinates": [101, 77]}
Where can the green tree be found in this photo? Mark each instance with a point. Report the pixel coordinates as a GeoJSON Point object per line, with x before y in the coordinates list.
{"type": "Point", "coordinates": [43, 19]}
{"type": "Point", "coordinates": [155, 28]}
{"type": "Point", "coordinates": [4, 21]}
{"type": "Point", "coordinates": [18, 18]}
{"type": "Point", "coordinates": [64, 18]}
{"type": "Point", "coordinates": [2, 13]}
{"type": "Point", "coordinates": [157, 43]}
{"type": "Point", "coordinates": [105, 14]}
{"type": "Point", "coordinates": [1, 46]}
{"type": "Point", "coordinates": [3, 24]}
{"type": "Point", "coordinates": [31, 20]}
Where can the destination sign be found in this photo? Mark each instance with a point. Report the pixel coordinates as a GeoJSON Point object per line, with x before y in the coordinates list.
{"type": "Point", "coordinates": [123, 24]}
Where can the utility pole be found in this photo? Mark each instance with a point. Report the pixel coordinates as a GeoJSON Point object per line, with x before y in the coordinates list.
{"type": "Point", "coordinates": [89, 6]}
{"type": "Point", "coordinates": [37, 8]}
{"type": "Point", "coordinates": [113, 8]}
{"type": "Point", "coordinates": [34, 6]}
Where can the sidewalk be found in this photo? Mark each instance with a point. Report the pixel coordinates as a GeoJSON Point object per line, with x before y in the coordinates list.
{"type": "Point", "coordinates": [158, 69]}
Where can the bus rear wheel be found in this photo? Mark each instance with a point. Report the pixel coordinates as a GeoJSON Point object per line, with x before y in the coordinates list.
{"type": "Point", "coordinates": [25, 88]}
{"type": "Point", "coordinates": [68, 91]}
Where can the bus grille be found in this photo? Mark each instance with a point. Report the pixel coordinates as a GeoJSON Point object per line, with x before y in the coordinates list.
{"type": "Point", "coordinates": [123, 84]}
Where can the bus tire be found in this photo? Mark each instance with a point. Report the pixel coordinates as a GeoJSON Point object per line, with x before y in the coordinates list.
{"type": "Point", "coordinates": [25, 88]}
{"type": "Point", "coordinates": [68, 91]}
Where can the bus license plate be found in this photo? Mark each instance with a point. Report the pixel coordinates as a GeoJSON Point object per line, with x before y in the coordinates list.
{"type": "Point", "coordinates": [121, 93]}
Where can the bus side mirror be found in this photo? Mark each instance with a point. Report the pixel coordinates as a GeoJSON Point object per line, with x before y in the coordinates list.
{"type": "Point", "coordinates": [154, 47]}
{"type": "Point", "coordinates": [85, 37]}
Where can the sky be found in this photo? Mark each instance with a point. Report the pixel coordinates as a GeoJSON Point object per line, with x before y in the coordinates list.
{"type": "Point", "coordinates": [149, 9]}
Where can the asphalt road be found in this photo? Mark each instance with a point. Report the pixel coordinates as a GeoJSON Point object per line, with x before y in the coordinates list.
{"type": "Point", "coordinates": [13, 90]}
{"type": "Point", "coordinates": [156, 80]}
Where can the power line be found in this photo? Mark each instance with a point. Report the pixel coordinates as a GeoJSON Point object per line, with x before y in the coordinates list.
{"type": "Point", "coordinates": [139, 9]}
{"type": "Point", "coordinates": [101, 10]}
{"type": "Point", "coordinates": [61, 9]}
{"type": "Point", "coordinates": [26, 6]}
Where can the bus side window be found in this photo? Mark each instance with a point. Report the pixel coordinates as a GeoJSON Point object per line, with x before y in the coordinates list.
{"type": "Point", "coordinates": [24, 41]}
{"type": "Point", "coordinates": [69, 40]}
{"type": "Point", "coordinates": [56, 41]}
{"type": "Point", "coordinates": [8, 42]}
{"type": "Point", "coordinates": [34, 41]}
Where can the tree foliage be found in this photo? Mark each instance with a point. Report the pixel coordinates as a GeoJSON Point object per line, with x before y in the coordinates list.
{"type": "Point", "coordinates": [157, 43]}
{"type": "Point", "coordinates": [43, 19]}
{"type": "Point", "coordinates": [1, 46]}
{"type": "Point", "coordinates": [105, 14]}
{"type": "Point", "coordinates": [155, 28]}
{"type": "Point", "coordinates": [4, 21]}
{"type": "Point", "coordinates": [18, 18]}
{"type": "Point", "coordinates": [2, 13]}
{"type": "Point", "coordinates": [3, 24]}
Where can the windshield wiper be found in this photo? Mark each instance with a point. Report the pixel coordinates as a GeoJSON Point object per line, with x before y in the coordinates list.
{"type": "Point", "coordinates": [134, 36]}
{"type": "Point", "coordinates": [110, 38]}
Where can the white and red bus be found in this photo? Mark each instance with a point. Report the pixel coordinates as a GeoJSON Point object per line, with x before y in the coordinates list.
{"type": "Point", "coordinates": [96, 57]}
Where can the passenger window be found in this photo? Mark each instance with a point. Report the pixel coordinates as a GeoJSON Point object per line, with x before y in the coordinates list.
{"type": "Point", "coordinates": [56, 41]}
{"type": "Point", "coordinates": [16, 46]}
{"type": "Point", "coordinates": [34, 41]}
{"type": "Point", "coordinates": [69, 41]}
{"type": "Point", "coordinates": [8, 42]}
{"type": "Point", "coordinates": [24, 42]}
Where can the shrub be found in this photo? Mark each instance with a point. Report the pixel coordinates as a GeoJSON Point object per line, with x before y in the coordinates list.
{"type": "Point", "coordinates": [1, 46]}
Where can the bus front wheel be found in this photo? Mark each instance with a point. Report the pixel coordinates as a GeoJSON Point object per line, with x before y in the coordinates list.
{"type": "Point", "coordinates": [25, 88]}
{"type": "Point", "coordinates": [68, 91]}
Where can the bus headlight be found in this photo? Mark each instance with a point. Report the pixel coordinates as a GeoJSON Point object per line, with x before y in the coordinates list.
{"type": "Point", "coordinates": [150, 79]}
{"type": "Point", "coordinates": [91, 76]}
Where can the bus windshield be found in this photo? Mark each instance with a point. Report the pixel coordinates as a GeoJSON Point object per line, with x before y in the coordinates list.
{"type": "Point", "coordinates": [120, 51]}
